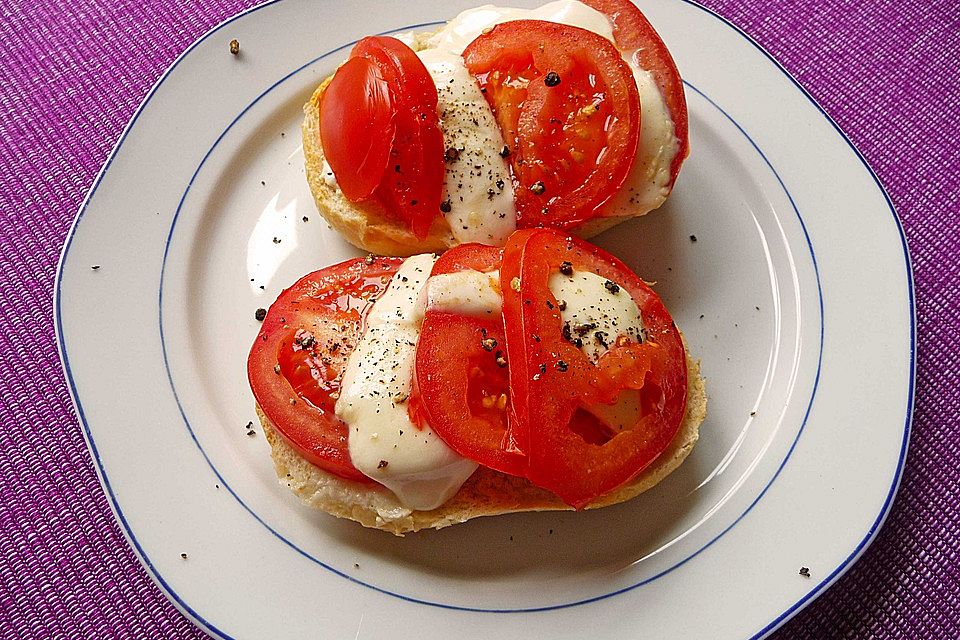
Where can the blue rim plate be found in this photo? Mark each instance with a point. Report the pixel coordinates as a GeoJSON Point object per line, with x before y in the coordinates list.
{"type": "Point", "coordinates": [798, 288]}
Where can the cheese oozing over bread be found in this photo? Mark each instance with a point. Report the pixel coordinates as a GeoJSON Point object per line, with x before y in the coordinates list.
{"type": "Point", "coordinates": [413, 461]}
{"type": "Point", "coordinates": [477, 188]}
{"type": "Point", "coordinates": [384, 443]}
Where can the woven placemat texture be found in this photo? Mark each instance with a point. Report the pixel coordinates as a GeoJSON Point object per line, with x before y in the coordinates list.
{"type": "Point", "coordinates": [73, 72]}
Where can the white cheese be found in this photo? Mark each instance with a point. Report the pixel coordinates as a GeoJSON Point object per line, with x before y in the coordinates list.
{"type": "Point", "coordinates": [477, 186]}
{"type": "Point", "coordinates": [647, 184]}
{"type": "Point", "coordinates": [596, 310]}
{"type": "Point", "coordinates": [468, 293]}
{"type": "Point", "coordinates": [384, 444]}
{"type": "Point", "coordinates": [464, 29]}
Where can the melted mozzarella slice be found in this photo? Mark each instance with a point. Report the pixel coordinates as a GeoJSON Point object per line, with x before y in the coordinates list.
{"type": "Point", "coordinates": [384, 444]}
{"type": "Point", "coordinates": [469, 293]}
{"type": "Point", "coordinates": [648, 183]}
{"type": "Point", "coordinates": [464, 29]}
{"type": "Point", "coordinates": [477, 187]}
{"type": "Point", "coordinates": [596, 310]}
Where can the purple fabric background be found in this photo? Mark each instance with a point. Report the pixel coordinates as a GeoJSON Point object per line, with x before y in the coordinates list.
{"type": "Point", "coordinates": [72, 74]}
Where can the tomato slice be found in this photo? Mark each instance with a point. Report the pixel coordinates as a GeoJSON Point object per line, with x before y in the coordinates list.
{"type": "Point", "coordinates": [569, 108]}
{"type": "Point", "coordinates": [357, 140]}
{"type": "Point", "coordinates": [461, 381]}
{"type": "Point", "coordinates": [557, 390]}
{"type": "Point", "coordinates": [633, 32]}
{"type": "Point", "coordinates": [380, 132]}
{"type": "Point", "coordinates": [298, 358]}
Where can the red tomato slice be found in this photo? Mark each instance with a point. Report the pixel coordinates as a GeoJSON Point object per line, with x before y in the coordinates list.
{"type": "Point", "coordinates": [633, 32]}
{"type": "Point", "coordinates": [555, 388]}
{"type": "Point", "coordinates": [357, 137]}
{"type": "Point", "coordinates": [380, 132]}
{"type": "Point", "coordinates": [569, 109]}
{"type": "Point", "coordinates": [460, 390]}
{"type": "Point", "coordinates": [298, 358]}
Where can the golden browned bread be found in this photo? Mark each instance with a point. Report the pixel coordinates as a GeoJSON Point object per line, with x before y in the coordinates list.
{"type": "Point", "coordinates": [485, 493]}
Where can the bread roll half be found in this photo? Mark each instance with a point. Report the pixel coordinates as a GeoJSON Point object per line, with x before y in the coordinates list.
{"type": "Point", "coordinates": [485, 493]}
{"type": "Point", "coordinates": [368, 229]}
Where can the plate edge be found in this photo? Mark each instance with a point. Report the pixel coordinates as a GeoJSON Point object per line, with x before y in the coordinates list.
{"type": "Point", "coordinates": [878, 523]}
{"type": "Point", "coordinates": [150, 571]}
{"type": "Point", "coordinates": [763, 632]}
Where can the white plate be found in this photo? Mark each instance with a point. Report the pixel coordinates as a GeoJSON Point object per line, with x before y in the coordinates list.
{"type": "Point", "coordinates": [796, 294]}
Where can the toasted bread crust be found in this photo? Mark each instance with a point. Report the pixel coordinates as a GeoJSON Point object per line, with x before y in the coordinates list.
{"type": "Point", "coordinates": [485, 493]}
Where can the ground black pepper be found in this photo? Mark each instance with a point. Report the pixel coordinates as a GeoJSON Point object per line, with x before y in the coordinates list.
{"type": "Point", "coordinates": [583, 327]}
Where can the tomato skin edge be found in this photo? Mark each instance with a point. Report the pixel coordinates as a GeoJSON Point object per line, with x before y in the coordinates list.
{"type": "Point", "coordinates": [318, 436]}
{"type": "Point", "coordinates": [633, 31]}
{"type": "Point", "coordinates": [559, 179]}
{"type": "Point", "coordinates": [576, 471]}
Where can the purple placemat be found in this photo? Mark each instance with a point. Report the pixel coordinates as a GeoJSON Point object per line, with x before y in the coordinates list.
{"type": "Point", "coordinates": [73, 72]}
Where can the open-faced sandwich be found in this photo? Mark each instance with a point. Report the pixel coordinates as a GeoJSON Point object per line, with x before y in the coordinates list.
{"type": "Point", "coordinates": [570, 116]}
{"type": "Point", "coordinates": [422, 392]}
